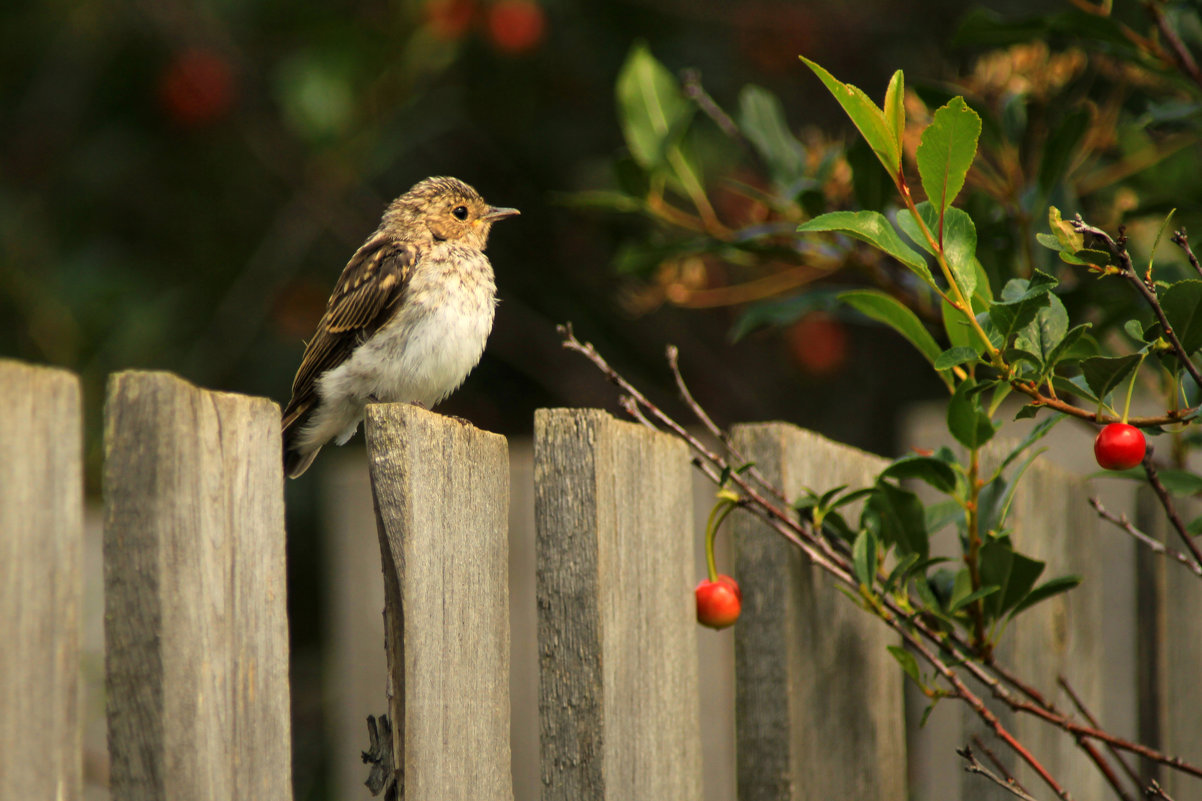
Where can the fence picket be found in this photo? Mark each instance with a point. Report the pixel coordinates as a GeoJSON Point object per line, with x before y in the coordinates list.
{"type": "Point", "coordinates": [41, 540]}
{"type": "Point", "coordinates": [818, 708]}
{"type": "Point", "coordinates": [618, 696]}
{"type": "Point", "coordinates": [196, 630]}
{"type": "Point", "coordinates": [441, 490]}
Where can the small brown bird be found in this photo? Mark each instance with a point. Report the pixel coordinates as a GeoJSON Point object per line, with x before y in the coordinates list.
{"type": "Point", "coordinates": [407, 320]}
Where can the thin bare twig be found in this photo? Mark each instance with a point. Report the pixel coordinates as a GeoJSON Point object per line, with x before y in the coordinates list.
{"type": "Point", "coordinates": [1181, 240]}
{"type": "Point", "coordinates": [997, 763]}
{"type": "Point", "coordinates": [690, 80]}
{"type": "Point", "coordinates": [1181, 56]}
{"type": "Point", "coordinates": [673, 354]}
{"type": "Point", "coordinates": [1154, 790]}
{"type": "Point", "coordinates": [1151, 543]}
{"type": "Point", "coordinates": [973, 765]}
{"type": "Point", "coordinates": [1089, 748]}
{"type": "Point", "coordinates": [1169, 509]}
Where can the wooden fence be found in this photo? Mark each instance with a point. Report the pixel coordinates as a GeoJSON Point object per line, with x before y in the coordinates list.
{"type": "Point", "coordinates": [196, 638]}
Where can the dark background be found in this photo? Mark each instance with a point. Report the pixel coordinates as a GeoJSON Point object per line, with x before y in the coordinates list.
{"type": "Point", "coordinates": [181, 182]}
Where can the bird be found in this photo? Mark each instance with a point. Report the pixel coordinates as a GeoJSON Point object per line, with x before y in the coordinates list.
{"type": "Point", "coordinates": [407, 320]}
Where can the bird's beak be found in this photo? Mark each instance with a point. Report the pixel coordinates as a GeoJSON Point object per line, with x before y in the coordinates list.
{"type": "Point", "coordinates": [495, 213]}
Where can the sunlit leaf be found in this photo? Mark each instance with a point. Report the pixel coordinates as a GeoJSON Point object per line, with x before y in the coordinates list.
{"type": "Point", "coordinates": [865, 115]}
{"type": "Point", "coordinates": [874, 228]}
{"type": "Point", "coordinates": [948, 147]}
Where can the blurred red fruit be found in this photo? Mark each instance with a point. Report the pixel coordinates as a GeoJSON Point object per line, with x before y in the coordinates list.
{"type": "Point", "coordinates": [196, 88]}
{"type": "Point", "coordinates": [450, 19]}
{"type": "Point", "coordinates": [818, 343]}
{"type": "Point", "coordinates": [516, 26]}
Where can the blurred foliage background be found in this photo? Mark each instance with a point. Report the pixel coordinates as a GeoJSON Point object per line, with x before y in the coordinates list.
{"type": "Point", "coordinates": [181, 182]}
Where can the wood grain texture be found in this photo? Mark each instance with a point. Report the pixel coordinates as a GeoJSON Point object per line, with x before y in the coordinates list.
{"type": "Point", "coordinates": [441, 489]}
{"type": "Point", "coordinates": [818, 708]}
{"type": "Point", "coordinates": [618, 692]}
{"type": "Point", "coordinates": [41, 540]}
{"type": "Point", "coordinates": [196, 628]}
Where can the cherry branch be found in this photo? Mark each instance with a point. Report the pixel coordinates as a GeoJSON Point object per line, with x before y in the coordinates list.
{"type": "Point", "coordinates": [1127, 270]}
{"type": "Point", "coordinates": [1093, 721]}
{"type": "Point", "coordinates": [1169, 509]}
{"type": "Point", "coordinates": [1151, 543]}
{"type": "Point", "coordinates": [906, 622]}
{"type": "Point", "coordinates": [1181, 240]}
{"type": "Point", "coordinates": [973, 765]}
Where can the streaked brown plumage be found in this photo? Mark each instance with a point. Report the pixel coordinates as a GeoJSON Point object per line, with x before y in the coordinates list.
{"type": "Point", "coordinates": [407, 320]}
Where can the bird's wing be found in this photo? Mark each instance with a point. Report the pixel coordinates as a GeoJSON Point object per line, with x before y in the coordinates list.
{"type": "Point", "coordinates": [371, 285]}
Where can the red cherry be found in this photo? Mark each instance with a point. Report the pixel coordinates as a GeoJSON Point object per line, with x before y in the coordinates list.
{"type": "Point", "coordinates": [197, 88]}
{"type": "Point", "coordinates": [718, 602]}
{"type": "Point", "coordinates": [1119, 446]}
{"type": "Point", "coordinates": [516, 26]}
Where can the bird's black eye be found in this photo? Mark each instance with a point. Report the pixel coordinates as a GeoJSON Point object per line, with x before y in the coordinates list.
{"type": "Point", "coordinates": [460, 212]}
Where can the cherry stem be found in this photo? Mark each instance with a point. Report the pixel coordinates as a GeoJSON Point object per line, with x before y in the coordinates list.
{"type": "Point", "coordinates": [721, 509]}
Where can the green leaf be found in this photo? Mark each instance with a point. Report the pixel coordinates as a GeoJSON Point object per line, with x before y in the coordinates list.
{"type": "Point", "coordinates": [1066, 344]}
{"type": "Point", "coordinates": [946, 151]}
{"type": "Point", "coordinates": [1042, 335]}
{"type": "Point", "coordinates": [1048, 241]}
{"type": "Point", "coordinates": [1104, 373]}
{"type": "Point", "coordinates": [984, 592]}
{"type": "Point", "coordinates": [966, 420]}
{"type": "Point", "coordinates": [863, 555]}
{"type": "Point", "coordinates": [1159, 235]}
{"type": "Point", "coordinates": [1182, 304]}
{"type": "Point", "coordinates": [909, 664]}
{"type": "Point", "coordinates": [960, 333]}
{"type": "Point", "coordinates": [1074, 386]}
{"type": "Point", "coordinates": [1021, 301]}
{"type": "Point", "coordinates": [890, 311]}
{"type": "Point", "coordinates": [900, 571]}
{"type": "Point", "coordinates": [897, 517]}
{"type": "Point", "coordinates": [940, 514]}
{"type": "Point", "coordinates": [871, 227]}
{"type": "Point", "coordinates": [1179, 482]}
{"type": "Point", "coordinates": [762, 121]}
{"type": "Point", "coordinates": [1070, 239]}
{"type": "Point", "coordinates": [1037, 432]}
{"type": "Point", "coordinates": [1015, 573]}
{"type": "Point", "coordinates": [650, 105]}
{"type": "Point", "coordinates": [865, 115]}
{"type": "Point", "coordinates": [1047, 590]}
{"type": "Point", "coordinates": [953, 357]}
{"type": "Point", "coordinates": [936, 472]}
{"type": "Point", "coordinates": [895, 109]}
{"type": "Point", "coordinates": [959, 241]}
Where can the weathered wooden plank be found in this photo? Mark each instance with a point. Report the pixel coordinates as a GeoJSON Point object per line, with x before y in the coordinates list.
{"type": "Point", "coordinates": [1170, 649]}
{"type": "Point", "coordinates": [442, 493]}
{"type": "Point", "coordinates": [196, 628]}
{"type": "Point", "coordinates": [41, 539]}
{"type": "Point", "coordinates": [818, 705]}
{"type": "Point", "coordinates": [618, 696]}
